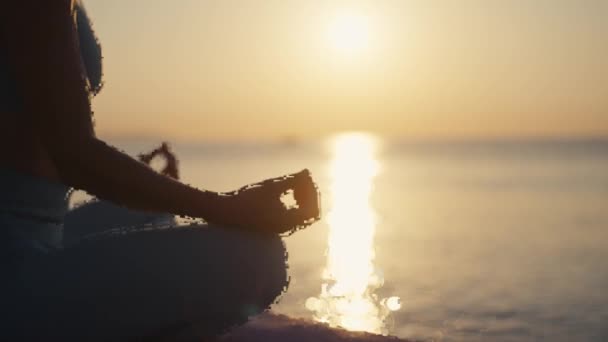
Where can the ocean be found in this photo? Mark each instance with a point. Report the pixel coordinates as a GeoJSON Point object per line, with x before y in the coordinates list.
{"type": "Point", "coordinates": [444, 241]}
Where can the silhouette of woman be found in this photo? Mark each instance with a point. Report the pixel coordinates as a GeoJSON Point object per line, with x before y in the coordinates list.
{"type": "Point", "coordinates": [179, 282]}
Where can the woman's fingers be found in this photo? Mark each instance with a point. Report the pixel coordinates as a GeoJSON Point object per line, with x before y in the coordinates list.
{"type": "Point", "coordinates": [279, 185]}
{"type": "Point", "coordinates": [263, 210]}
{"type": "Point", "coordinates": [290, 220]}
{"type": "Point", "coordinates": [287, 182]}
{"type": "Point", "coordinates": [306, 195]}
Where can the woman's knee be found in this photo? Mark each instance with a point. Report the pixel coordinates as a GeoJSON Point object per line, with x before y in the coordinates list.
{"type": "Point", "coordinates": [260, 264]}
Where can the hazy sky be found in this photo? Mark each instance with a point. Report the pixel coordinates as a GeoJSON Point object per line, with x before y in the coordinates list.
{"type": "Point", "coordinates": [226, 69]}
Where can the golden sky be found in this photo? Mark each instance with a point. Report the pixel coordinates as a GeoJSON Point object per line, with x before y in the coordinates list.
{"type": "Point", "coordinates": [257, 69]}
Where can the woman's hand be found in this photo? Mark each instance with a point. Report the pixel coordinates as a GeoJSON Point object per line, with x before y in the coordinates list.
{"type": "Point", "coordinates": [258, 207]}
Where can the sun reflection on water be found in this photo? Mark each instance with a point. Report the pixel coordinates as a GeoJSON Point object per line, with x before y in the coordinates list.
{"type": "Point", "coordinates": [348, 298]}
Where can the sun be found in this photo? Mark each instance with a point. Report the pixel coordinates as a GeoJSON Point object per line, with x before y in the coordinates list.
{"type": "Point", "coordinates": [349, 33]}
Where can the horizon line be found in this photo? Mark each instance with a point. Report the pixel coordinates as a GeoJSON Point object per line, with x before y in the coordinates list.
{"type": "Point", "coordinates": [295, 139]}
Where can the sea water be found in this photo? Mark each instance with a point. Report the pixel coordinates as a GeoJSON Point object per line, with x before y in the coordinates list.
{"type": "Point", "coordinates": [468, 241]}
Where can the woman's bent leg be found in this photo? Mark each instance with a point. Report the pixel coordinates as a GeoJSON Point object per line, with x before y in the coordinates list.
{"type": "Point", "coordinates": [198, 280]}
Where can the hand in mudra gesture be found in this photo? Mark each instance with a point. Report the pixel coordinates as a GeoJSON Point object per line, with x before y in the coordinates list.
{"type": "Point", "coordinates": [258, 207]}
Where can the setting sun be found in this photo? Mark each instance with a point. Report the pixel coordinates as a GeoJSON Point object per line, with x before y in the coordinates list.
{"type": "Point", "coordinates": [349, 33]}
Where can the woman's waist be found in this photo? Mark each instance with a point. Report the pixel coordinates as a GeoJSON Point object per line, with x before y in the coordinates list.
{"type": "Point", "coordinates": [23, 153]}
{"type": "Point", "coordinates": [38, 198]}
{"type": "Point", "coordinates": [26, 235]}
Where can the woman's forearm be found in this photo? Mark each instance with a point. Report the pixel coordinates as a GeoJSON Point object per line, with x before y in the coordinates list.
{"type": "Point", "coordinates": [112, 175]}
{"type": "Point", "coordinates": [47, 64]}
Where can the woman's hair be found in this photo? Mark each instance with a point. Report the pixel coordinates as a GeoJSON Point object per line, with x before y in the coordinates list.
{"type": "Point", "coordinates": [90, 49]}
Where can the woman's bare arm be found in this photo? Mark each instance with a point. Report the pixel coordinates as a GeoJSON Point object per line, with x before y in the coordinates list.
{"type": "Point", "coordinates": [41, 40]}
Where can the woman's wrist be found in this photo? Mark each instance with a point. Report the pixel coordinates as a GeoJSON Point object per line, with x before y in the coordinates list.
{"type": "Point", "coordinates": [215, 207]}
